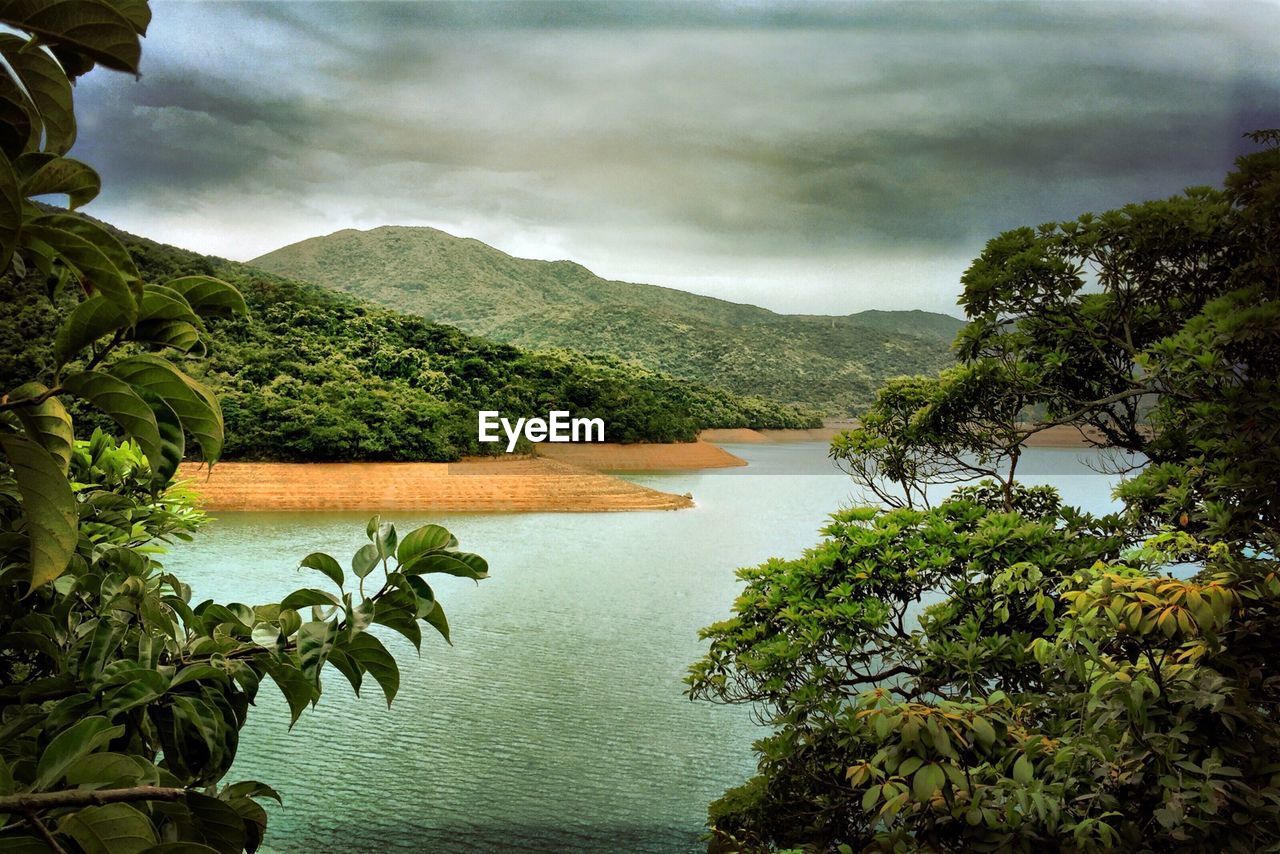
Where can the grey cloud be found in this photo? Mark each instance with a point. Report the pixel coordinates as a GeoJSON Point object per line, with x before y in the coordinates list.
{"type": "Point", "coordinates": [672, 138]}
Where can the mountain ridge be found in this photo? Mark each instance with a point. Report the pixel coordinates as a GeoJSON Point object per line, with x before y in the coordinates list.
{"type": "Point", "coordinates": [833, 362]}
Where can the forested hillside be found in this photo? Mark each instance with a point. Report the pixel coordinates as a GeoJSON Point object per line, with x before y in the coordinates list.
{"type": "Point", "coordinates": [316, 375]}
{"type": "Point", "coordinates": [832, 363]}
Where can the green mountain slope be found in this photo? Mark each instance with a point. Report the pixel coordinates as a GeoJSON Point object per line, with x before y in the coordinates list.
{"type": "Point", "coordinates": [832, 363]}
{"type": "Point", "coordinates": [317, 375]}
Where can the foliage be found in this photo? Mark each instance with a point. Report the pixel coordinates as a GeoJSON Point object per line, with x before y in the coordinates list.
{"type": "Point", "coordinates": [996, 671]}
{"type": "Point", "coordinates": [121, 701]}
{"type": "Point", "coordinates": [310, 374]}
{"type": "Point", "coordinates": [832, 364]}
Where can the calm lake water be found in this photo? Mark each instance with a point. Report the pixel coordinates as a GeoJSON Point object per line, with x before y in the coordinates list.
{"type": "Point", "coordinates": [557, 721]}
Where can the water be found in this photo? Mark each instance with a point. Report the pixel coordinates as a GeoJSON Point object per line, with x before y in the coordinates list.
{"type": "Point", "coordinates": [557, 721]}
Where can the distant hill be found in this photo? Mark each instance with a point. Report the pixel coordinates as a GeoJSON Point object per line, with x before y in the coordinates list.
{"type": "Point", "coordinates": [317, 375]}
{"type": "Point", "coordinates": [832, 363]}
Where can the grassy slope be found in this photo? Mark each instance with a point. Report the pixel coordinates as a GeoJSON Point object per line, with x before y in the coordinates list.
{"type": "Point", "coordinates": [833, 363]}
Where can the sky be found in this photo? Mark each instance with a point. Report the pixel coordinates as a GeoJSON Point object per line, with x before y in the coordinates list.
{"type": "Point", "coordinates": [807, 157]}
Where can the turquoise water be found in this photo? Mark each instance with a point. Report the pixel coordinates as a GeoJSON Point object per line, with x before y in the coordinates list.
{"type": "Point", "coordinates": [556, 722]}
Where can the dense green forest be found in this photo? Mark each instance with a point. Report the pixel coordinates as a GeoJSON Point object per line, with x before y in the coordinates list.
{"type": "Point", "coordinates": [313, 375]}
{"type": "Point", "coordinates": [833, 364]}
{"type": "Point", "coordinates": [999, 670]}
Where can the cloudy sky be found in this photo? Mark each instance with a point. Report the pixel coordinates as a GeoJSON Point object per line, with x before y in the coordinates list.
{"type": "Point", "coordinates": [807, 157]}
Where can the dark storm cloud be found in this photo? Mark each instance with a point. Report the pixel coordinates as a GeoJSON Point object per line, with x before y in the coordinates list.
{"type": "Point", "coordinates": [806, 156]}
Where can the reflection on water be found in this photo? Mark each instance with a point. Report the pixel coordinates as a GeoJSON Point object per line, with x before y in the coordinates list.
{"type": "Point", "coordinates": [557, 721]}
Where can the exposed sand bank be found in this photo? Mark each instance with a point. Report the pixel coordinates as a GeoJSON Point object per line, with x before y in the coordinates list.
{"type": "Point", "coordinates": [477, 485]}
{"type": "Point", "coordinates": [608, 456]}
{"type": "Point", "coordinates": [747, 436]}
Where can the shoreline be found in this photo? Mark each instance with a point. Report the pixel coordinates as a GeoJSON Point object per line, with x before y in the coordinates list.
{"type": "Point", "coordinates": [1061, 436]}
{"type": "Point", "coordinates": [477, 485]}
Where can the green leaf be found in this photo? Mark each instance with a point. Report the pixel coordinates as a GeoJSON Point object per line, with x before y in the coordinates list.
{"type": "Point", "coordinates": [64, 176]}
{"type": "Point", "coordinates": [178, 334]}
{"type": "Point", "coordinates": [309, 596]}
{"type": "Point", "coordinates": [70, 745]}
{"type": "Point", "coordinates": [48, 505]}
{"type": "Point", "coordinates": [315, 642]}
{"type": "Point", "coordinates": [421, 540]}
{"type": "Point", "coordinates": [385, 540]}
{"type": "Point", "coordinates": [984, 732]}
{"type": "Point", "coordinates": [103, 769]}
{"type": "Point", "coordinates": [119, 402]}
{"type": "Point", "coordinates": [1022, 770]}
{"type": "Point", "coordinates": [364, 560]}
{"type": "Point", "coordinates": [436, 619]}
{"type": "Point", "coordinates": [461, 565]}
{"type": "Point", "coordinates": [209, 296]}
{"type": "Point", "coordinates": [111, 829]}
{"type": "Point", "coordinates": [46, 423]}
{"type": "Point", "coordinates": [348, 668]}
{"type": "Point", "coordinates": [10, 213]}
{"type": "Point", "coordinates": [298, 689]}
{"type": "Point", "coordinates": [19, 122]}
{"type": "Point", "coordinates": [49, 89]}
{"type": "Point", "coordinates": [219, 824]}
{"type": "Point", "coordinates": [372, 657]}
{"type": "Point", "coordinates": [181, 848]}
{"type": "Point", "coordinates": [88, 321]}
{"type": "Point", "coordinates": [194, 404]}
{"type": "Point", "coordinates": [927, 780]}
{"type": "Point", "coordinates": [92, 27]}
{"type": "Point", "coordinates": [326, 564]}
{"type": "Point", "coordinates": [91, 266]}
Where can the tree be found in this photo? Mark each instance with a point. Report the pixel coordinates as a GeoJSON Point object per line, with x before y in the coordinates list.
{"type": "Point", "coordinates": [995, 670]}
{"type": "Point", "coordinates": [121, 701]}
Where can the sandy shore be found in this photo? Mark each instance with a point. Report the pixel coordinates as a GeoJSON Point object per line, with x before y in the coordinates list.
{"type": "Point", "coordinates": [479, 485]}
{"type": "Point", "coordinates": [642, 457]}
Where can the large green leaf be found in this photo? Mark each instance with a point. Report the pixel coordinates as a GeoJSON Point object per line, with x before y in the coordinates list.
{"type": "Point", "coordinates": [90, 231]}
{"type": "Point", "coordinates": [48, 504]}
{"type": "Point", "coordinates": [99, 769]}
{"type": "Point", "coordinates": [315, 642]}
{"type": "Point", "coordinates": [93, 27]}
{"type": "Point", "coordinates": [326, 564]}
{"type": "Point", "coordinates": [219, 824]}
{"type": "Point", "coordinates": [368, 652]}
{"type": "Point", "coordinates": [70, 745]}
{"type": "Point", "coordinates": [162, 303]}
{"type": "Point", "coordinates": [63, 176]}
{"type": "Point", "coordinates": [10, 212]}
{"type": "Point", "coordinates": [364, 560]}
{"type": "Point", "coordinates": [47, 423]}
{"type": "Point", "coordinates": [346, 667]}
{"type": "Point", "coordinates": [209, 296]}
{"type": "Point", "coordinates": [122, 404]}
{"type": "Point", "coordinates": [50, 91]}
{"type": "Point", "coordinates": [165, 318]}
{"type": "Point", "coordinates": [437, 620]}
{"type": "Point", "coordinates": [19, 123]}
{"type": "Point", "coordinates": [88, 321]}
{"type": "Point", "coordinates": [421, 540]}
{"type": "Point", "coordinates": [298, 689]}
{"type": "Point", "coordinates": [310, 596]}
{"type": "Point", "coordinates": [194, 404]}
{"type": "Point", "coordinates": [110, 829]}
{"type": "Point", "coordinates": [459, 564]}
{"type": "Point", "coordinates": [178, 334]}
{"type": "Point", "coordinates": [86, 261]}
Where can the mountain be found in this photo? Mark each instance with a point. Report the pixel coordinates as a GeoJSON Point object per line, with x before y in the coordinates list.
{"type": "Point", "coordinates": [831, 363]}
{"type": "Point", "coordinates": [315, 375]}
